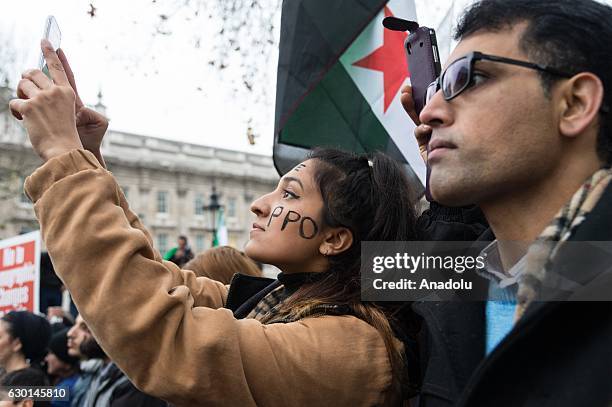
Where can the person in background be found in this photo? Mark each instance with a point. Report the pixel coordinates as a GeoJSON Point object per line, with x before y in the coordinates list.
{"type": "Point", "coordinates": [62, 367]}
{"type": "Point", "coordinates": [19, 378]}
{"type": "Point", "coordinates": [221, 263]}
{"type": "Point", "coordinates": [181, 254]}
{"type": "Point", "coordinates": [77, 336]}
{"type": "Point", "coordinates": [24, 337]}
{"type": "Point", "coordinates": [101, 383]}
{"type": "Point", "coordinates": [50, 285]}
{"type": "Point", "coordinates": [59, 319]}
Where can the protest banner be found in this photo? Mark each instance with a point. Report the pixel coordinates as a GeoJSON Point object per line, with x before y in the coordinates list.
{"type": "Point", "coordinates": [20, 272]}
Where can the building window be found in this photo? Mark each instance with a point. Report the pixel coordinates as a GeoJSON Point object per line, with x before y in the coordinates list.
{"type": "Point", "coordinates": [162, 202]}
{"type": "Point", "coordinates": [231, 208]}
{"type": "Point", "coordinates": [198, 204]}
{"type": "Point", "coordinates": [162, 243]}
{"type": "Point", "coordinates": [200, 245]}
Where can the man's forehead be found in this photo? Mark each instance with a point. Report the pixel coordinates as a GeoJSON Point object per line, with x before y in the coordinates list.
{"type": "Point", "coordinates": [503, 42]}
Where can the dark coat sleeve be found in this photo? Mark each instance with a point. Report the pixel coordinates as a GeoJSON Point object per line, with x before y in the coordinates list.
{"type": "Point", "coordinates": [127, 395]}
{"type": "Point", "coordinates": [451, 224]}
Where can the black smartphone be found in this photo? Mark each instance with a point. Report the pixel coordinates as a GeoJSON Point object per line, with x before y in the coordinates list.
{"type": "Point", "coordinates": [423, 62]}
{"type": "Point", "coordinates": [424, 65]}
{"type": "Point", "coordinates": [421, 49]}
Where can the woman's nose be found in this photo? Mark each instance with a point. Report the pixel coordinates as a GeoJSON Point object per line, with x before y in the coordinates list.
{"type": "Point", "coordinates": [260, 206]}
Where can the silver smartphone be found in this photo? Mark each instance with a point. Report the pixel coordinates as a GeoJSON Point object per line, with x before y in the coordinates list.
{"type": "Point", "coordinates": [53, 34]}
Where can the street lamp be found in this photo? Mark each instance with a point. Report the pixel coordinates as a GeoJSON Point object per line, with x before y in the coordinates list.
{"type": "Point", "coordinates": [213, 208]}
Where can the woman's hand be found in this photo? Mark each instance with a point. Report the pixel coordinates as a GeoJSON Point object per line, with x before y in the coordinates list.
{"type": "Point", "coordinates": [422, 131]}
{"type": "Point", "coordinates": [47, 108]}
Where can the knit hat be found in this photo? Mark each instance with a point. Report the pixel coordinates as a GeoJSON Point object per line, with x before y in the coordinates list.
{"type": "Point", "coordinates": [32, 330]}
{"type": "Point", "coordinates": [59, 347]}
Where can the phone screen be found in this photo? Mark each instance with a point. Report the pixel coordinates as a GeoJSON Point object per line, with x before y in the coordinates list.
{"type": "Point", "coordinates": [53, 34]}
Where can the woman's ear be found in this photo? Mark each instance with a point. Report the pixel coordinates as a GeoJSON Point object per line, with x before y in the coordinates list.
{"type": "Point", "coordinates": [16, 345]}
{"type": "Point", "coordinates": [580, 100]}
{"type": "Point", "coordinates": [337, 240]}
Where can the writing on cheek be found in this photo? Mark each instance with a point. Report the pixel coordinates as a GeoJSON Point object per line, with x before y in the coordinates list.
{"type": "Point", "coordinates": [299, 167]}
{"type": "Point", "coordinates": [289, 218]}
{"type": "Point", "coordinates": [276, 212]}
{"type": "Point", "coordinates": [294, 217]}
{"type": "Point", "coordinates": [313, 226]}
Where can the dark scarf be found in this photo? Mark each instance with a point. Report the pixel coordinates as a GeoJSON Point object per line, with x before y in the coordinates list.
{"type": "Point", "coordinates": [289, 284]}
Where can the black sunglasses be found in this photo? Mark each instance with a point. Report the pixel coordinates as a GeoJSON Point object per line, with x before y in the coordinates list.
{"type": "Point", "coordinates": [459, 75]}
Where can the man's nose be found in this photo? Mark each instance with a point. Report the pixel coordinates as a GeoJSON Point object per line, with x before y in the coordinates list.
{"type": "Point", "coordinates": [437, 112]}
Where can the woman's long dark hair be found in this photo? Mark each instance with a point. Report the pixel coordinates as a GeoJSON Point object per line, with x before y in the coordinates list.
{"type": "Point", "coordinates": [369, 195]}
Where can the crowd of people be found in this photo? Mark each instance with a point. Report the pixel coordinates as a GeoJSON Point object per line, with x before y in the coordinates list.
{"type": "Point", "coordinates": [518, 140]}
{"type": "Point", "coordinates": [59, 350]}
{"type": "Point", "coordinates": [62, 355]}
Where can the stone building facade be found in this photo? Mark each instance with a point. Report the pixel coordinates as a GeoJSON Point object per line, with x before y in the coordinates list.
{"type": "Point", "coordinates": [167, 184]}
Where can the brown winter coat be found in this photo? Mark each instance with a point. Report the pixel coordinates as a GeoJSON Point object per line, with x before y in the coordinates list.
{"type": "Point", "coordinates": [168, 330]}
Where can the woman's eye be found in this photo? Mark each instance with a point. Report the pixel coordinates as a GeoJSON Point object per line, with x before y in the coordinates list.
{"type": "Point", "coordinates": [288, 194]}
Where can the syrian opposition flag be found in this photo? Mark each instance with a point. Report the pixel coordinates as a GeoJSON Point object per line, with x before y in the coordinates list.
{"type": "Point", "coordinates": [339, 79]}
{"type": "Point", "coordinates": [220, 237]}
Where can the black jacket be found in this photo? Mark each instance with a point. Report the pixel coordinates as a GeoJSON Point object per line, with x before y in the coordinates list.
{"type": "Point", "coordinates": [558, 354]}
{"type": "Point", "coordinates": [115, 390]}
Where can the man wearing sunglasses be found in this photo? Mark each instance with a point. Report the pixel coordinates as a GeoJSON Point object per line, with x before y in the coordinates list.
{"type": "Point", "coordinates": [519, 124]}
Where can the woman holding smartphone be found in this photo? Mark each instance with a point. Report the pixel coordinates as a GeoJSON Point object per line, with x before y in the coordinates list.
{"type": "Point", "coordinates": [306, 339]}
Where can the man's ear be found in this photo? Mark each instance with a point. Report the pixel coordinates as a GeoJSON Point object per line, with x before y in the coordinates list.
{"type": "Point", "coordinates": [581, 98]}
{"type": "Point", "coordinates": [337, 240]}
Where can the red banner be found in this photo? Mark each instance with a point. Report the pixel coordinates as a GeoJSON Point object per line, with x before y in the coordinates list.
{"type": "Point", "coordinates": [20, 273]}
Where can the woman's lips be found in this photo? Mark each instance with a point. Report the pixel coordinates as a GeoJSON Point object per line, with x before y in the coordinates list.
{"type": "Point", "coordinates": [255, 227]}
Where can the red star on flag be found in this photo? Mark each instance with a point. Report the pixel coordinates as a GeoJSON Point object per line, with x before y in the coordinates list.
{"type": "Point", "coordinates": [390, 59]}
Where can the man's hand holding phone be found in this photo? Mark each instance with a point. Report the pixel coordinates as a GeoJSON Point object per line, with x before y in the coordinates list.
{"type": "Point", "coordinates": [422, 131]}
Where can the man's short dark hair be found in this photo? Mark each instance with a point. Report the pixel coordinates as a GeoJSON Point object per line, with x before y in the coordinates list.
{"type": "Point", "coordinates": [570, 35]}
{"type": "Point", "coordinates": [183, 237]}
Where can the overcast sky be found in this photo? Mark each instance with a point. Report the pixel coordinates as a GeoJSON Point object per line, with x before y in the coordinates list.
{"type": "Point", "coordinates": [152, 84]}
{"type": "Point", "coordinates": [159, 85]}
